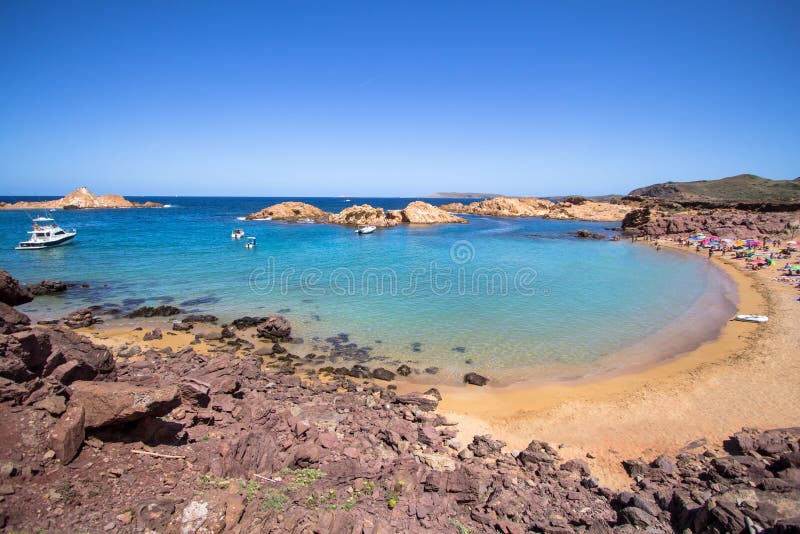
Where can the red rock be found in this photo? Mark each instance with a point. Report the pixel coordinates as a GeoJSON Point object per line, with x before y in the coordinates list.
{"type": "Point", "coordinates": [109, 403]}
{"type": "Point", "coordinates": [67, 435]}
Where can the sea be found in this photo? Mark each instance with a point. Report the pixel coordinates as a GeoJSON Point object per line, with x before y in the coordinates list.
{"type": "Point", "coordinates": [518, 299]}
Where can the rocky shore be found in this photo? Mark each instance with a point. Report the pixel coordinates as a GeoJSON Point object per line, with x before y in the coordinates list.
{"type": "Point", "coordinates": [416, 212]}
{"type": "Point", "coordinates": [723, 223]}
{"type": "Point", "coordinates": [81, 198]}
{"type": "Point", "coordinates": [578, 208]}
{"type": "Point", "coordinates": [170, 440]}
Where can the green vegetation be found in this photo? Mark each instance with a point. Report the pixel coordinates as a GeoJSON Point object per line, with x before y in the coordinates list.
{"type": "Point", "coordinates": [393, 495]}
{"type": "Point", "coordinates": [303, 477]}
{"type": "Point", "coordinates": [741, 188]}
{"type": "Point", "coordinates": [461, 527]}
{"type": "Point", "coordinates": [208, 482]}
{"type": "Point", "coordinates": [251, 489]}
{"type": "Point", "coordinates": [273, 500]}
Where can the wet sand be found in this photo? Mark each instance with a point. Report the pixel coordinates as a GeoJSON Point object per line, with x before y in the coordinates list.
{"type": "Point", "coordinates": [748, 376]}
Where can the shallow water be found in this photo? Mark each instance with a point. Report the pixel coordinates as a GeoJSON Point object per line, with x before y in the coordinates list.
{"type": "Point", "coordinates": [519, 298]}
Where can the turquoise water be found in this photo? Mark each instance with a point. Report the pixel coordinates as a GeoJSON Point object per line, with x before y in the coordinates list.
{"type": "Point", "coordinates": [520, 298]}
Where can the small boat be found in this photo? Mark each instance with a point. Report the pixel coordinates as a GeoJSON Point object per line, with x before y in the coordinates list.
{"type": "Point", "coordinates": [46, 234]}
{"type": "Point", "coordinates": [251, 242]}
{"type": "Point", "coordinates": [262, 219]}
{"type": "Point", "coordinates": [365, 230]}
{"type": "Point", "coordinates": [305, 220]}
{"type": "Point", "coordinates": [752, 318]}
{"type": "Point", "coordinates": [237, 233]}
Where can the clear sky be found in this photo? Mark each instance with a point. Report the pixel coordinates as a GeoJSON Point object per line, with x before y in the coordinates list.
{"type": "Point", "coordinates": [395, 98]}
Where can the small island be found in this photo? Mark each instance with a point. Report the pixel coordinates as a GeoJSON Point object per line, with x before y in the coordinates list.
{"type": "Point", "coordinates": [81, 199]}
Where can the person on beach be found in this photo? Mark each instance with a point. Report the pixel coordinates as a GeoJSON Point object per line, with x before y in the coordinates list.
{"type": "Point", "coordinates": [710, 253]}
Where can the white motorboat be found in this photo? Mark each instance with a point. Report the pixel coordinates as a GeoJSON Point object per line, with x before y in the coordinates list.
{"type": "Point", "coordinates": [365, 230]}
{"type": "Point", "coordinates": [262, 219]}
{"type": "Point", "coordinates": [237, 234]}
{"type": "Point", "coordinates": [46, 234]}
{"type": "Point", "coordinates": [305, 220]}
{"type": "Point", "coordinates": [251, 242]}
{"type": "Point", "coordinates": [752, 318]}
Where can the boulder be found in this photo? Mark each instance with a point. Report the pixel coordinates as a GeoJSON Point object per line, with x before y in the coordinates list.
{"type": "Point", "coordinates": [11, 293]}
{"type": "Point", "coordinates": [11, 320]}
{"type": "Point", "coordinates": [108, 403]}
{"type": "Point", "coordinates": [588, 234]}
{"type": "Point", "coordinates": [47, 287]}
{"type": "Point", "coordinates": [54, 405]}
{"type": "Point", "coordinates": [67, 434]}
{"type": "Point", "coordinates": [153, 334]}
{"type": "Point", "coordinates": [275, 328]}
{"type": "Point", "coordinates": [475, 379]}
{"type": "Point", "coordinates": [382, 374]}
{"type": "Point", "coordinates": [158, 311]}
{"type": "Point", "coordinates": [420, 400]}
{"type": "Point", "coordinates": [245, 322]}
{"type": "Point", "coordinates": [80, 318]}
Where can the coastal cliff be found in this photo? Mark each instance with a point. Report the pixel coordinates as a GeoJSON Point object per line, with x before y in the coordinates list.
{"type": "Point", "coordinates": [81, 198]}
{"type": "Point", "coordinates": [503, 207]}
{"type": "Point", "coordinates": [589, 210]}
{"type": "Point", "coordinates": [723, 223]}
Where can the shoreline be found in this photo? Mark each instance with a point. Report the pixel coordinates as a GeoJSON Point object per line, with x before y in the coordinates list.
{"type": "Point", "coordinates": [700, 394]}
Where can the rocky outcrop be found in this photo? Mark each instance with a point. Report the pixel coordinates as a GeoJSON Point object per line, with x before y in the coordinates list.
{"type": "Point", "coordinates": [419, 212]}
{"type": "Point", "coordinates": [589, 211]}
{"type": "Point", "coordinates": [734, 224]}
{"type": "Point", "coordinates": [82, 198]}
{"type": "Point", "coordinates": [47, 287]}
{"type": "Point", "coordinates": [11, 320]}
{"type": "Point", "coordinates": [366, 215]}
{"type": "Point", "coordinates": [291, 211]}
{"type": "Point", "coordinates": [11, 293]}
{"type": "Point", "coordinates": [588, 234]}
{"type": "Point", "coordinates": [111, 403]}
{"type": "Point", "coordinates": [503, 207]}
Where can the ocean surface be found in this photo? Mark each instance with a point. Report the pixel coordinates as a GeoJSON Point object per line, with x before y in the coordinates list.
{"type": "Point", "coordinates": [515, 299]}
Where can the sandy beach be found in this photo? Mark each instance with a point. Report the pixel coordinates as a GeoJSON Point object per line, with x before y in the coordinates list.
{"type": "Point", "coordinates": [745, 378]}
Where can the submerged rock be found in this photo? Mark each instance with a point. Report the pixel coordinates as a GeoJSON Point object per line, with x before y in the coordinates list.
{"type": "Point", "coordinates": [158, 311]}
{"type": "Point", "coordinates": [47, 287]}
{"type": "Point", "coordinates": [475, 379]}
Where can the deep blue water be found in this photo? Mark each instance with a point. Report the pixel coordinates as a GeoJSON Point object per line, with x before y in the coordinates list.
{"type": "Point", "coordinates": [520, 298]}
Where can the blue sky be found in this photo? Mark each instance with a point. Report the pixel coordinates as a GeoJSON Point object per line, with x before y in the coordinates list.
{"type": "Point", "coordinates": [394, 98]}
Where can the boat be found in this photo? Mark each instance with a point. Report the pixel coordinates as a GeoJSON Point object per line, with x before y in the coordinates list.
{"type": "Point", "coordinates": [752, 318]}
{"type": "Point", "coordinates": [251, 242]}
{"type": "Point", "coordinates": [237, 233]}
{"type": "Point", "coordinates": [46, 234]}
{"type": "Point", "coordinates": [365, 230]}
{"type": "Point", "coordinates": [262, 219]}
{"type": "Point", "coordinates": [305, 220]}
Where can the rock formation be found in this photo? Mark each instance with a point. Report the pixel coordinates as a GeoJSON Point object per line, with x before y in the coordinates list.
{"type": "Point", "coordinates": [503, 207]}
{"type": "Point", "coordinates": [366, 215]}
{"type": "Point", "coordinates": [82, 198]}
{"type": "Point", "coordinates": [291, 211]}
{"type": "Point", "coordinates": [419, 212]}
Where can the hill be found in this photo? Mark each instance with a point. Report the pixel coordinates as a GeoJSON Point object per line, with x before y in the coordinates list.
{"type": "Point", "coordinates": [740, 188]}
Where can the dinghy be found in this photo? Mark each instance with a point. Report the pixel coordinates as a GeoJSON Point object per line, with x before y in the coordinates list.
{"type": "Point", "coordinates": [752, 318]}
{"type": "Point", "coordinates": [365, 230]}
